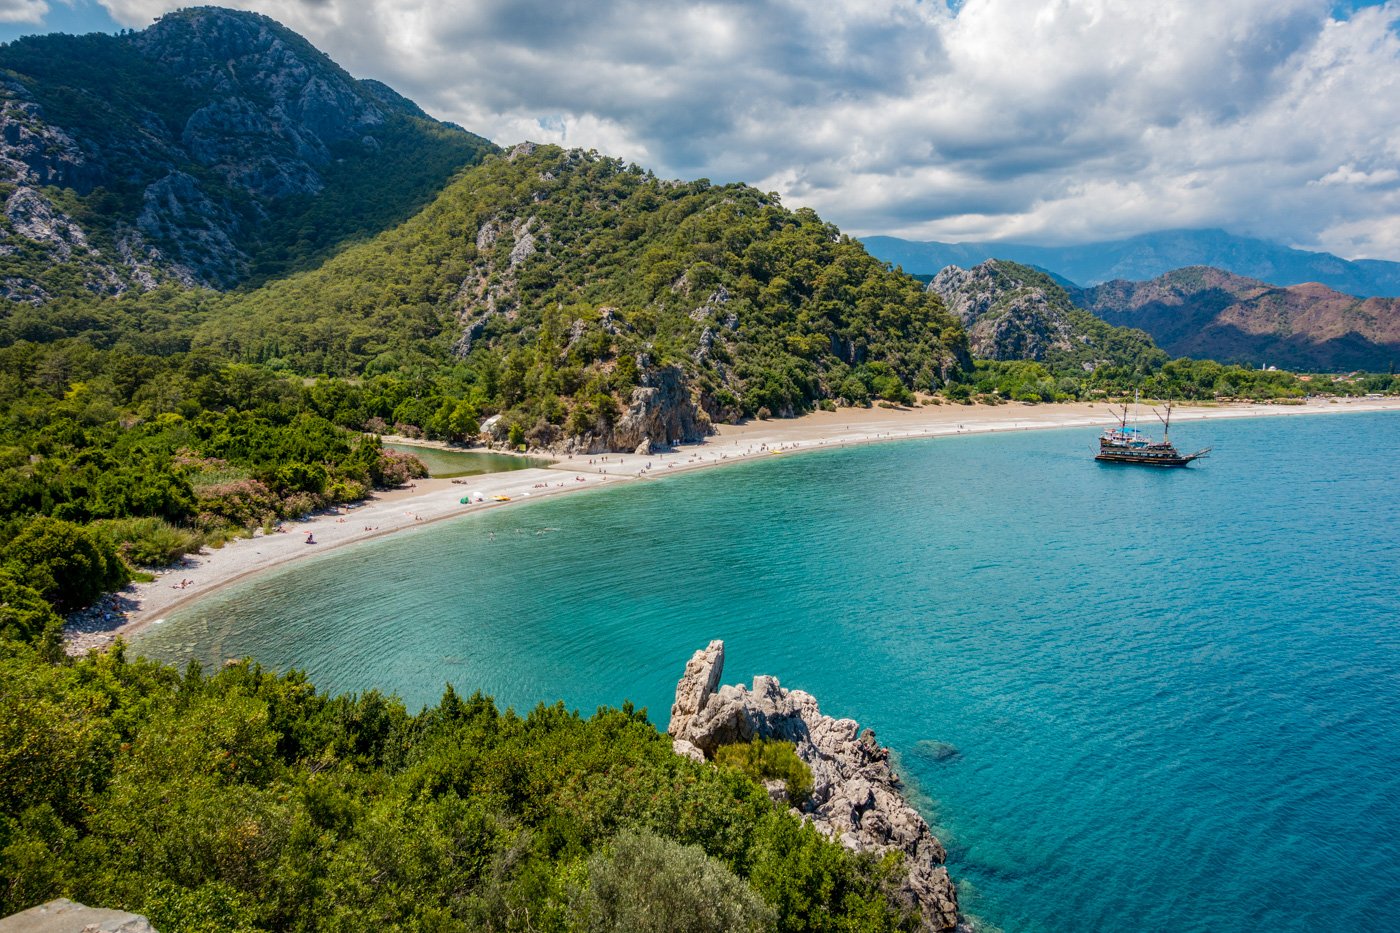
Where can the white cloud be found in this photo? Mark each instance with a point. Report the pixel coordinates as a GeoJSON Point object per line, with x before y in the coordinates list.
{"type": "Point", "coordinates": [1050, 120]}
{"type": "Point", "coordinates": [23, 11]}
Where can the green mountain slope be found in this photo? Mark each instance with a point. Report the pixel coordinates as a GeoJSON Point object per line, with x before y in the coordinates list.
{"type": "Point", "coordinates": [213, 148]}
{"type": "Point", "coordinates": [599, 306]}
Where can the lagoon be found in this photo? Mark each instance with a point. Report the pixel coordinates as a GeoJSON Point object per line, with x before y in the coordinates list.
{"type": "Point", "coordinates": [442, 462]}
{"type": "Point", "coordinates": [1174, 695]}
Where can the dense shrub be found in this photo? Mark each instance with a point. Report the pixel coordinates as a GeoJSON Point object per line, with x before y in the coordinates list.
{"type": "Point", "coordinates": [248, 801]}
{"type": "Point", "coordinates": [25, 616]}
{"type": "Point", "coordinates": [646, 884]}
{"type": "Point", "coordinates": [769, 760]}
{"type": "Point", "coordinates": [65, 563]}
{"type": "Point", "coordinates": [149, 542]}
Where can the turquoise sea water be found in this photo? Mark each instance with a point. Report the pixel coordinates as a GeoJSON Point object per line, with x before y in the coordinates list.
{"type": "Point", "coordinates": [1175, 695]}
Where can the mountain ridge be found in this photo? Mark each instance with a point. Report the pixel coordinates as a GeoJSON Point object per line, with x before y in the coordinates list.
{"type": "Point", "coordinates": [1015, 312]}
{"type": "Point", "coordinates": [1204, 312]}
{"type": "Point", "coordinates": [1149, 255]}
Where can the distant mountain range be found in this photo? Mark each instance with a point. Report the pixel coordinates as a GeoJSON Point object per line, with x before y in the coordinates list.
{"type": "Point", "coordinates": [1208, 313]}
{"type": "Point", "coordinates": [1152, 254]}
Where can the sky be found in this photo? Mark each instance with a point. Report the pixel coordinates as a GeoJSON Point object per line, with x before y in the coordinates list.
{"type": "Point", "coordinates": [1042, 121]}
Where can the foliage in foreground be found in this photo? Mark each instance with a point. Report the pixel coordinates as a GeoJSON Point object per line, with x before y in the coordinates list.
{"type": "Point", "coordinates": [249, 801]}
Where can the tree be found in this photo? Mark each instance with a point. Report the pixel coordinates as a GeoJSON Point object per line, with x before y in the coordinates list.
{"type": "Point", "coordinates": [65, 563]}
{"type": "Point", "coordinates": [647, 884]}
{"type": "Point", "coordinates": [25, 615]}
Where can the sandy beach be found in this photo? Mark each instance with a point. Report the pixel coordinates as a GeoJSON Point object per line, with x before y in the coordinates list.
{"type": "Point", "coordinates": [432, 500]}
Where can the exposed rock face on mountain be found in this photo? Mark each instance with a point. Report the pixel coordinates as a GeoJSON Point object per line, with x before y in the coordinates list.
{"type": "Point", "coordinates": [855, 797]}
{"type": "Point", "coordinates": [194, 151]}
{"type": "Point", "coordinates": [1007, 318]}
{"type": "Point", "coordinates": [1152, 254]}
{"type": "Point", "coordinates": [1014, 312]}
{"type": "Point", "coordinates": [1208, 313]}
{"type": "Point", "coordinates": [663, 411]}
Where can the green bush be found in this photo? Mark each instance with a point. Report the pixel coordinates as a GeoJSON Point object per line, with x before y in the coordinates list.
{"type": "Point", "coordinates": [25, 616]}
{"type": "Point", "coordinates": [768, 760]}
{"type": "Point", "coordinates": [65, 563]}
{"type": "Point", "coordinates": [149, 542]}
{"type": "Point", "coordinates": [646, 884]}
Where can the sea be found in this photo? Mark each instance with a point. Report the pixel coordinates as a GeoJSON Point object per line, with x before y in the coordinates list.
{"type": "Point", "coordinates": [1126, 698]}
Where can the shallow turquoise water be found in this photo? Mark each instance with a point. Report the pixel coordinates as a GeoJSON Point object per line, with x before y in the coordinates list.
{"type": "Point", "coordinates": [1176, 695]}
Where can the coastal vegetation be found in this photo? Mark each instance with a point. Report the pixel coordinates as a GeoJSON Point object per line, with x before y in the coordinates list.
{"type": "Point", "coordinates": [278, 807]}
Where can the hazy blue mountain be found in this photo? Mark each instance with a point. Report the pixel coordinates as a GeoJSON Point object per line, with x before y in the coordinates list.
{"type": "Point", "coordinates": [1152, 254]}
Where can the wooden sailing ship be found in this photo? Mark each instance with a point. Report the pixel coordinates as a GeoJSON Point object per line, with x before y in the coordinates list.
{"type": "Point", "coordinates": [1121, 443]}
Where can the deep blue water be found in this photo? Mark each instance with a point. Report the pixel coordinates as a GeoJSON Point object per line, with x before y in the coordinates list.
{"type": "Point", "coordinates": [1175, 694]}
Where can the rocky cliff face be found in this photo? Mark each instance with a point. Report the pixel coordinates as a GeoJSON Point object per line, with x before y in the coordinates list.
{"type": "Point", "coordinates": [181, 152]}
{"type": "Point", "coordinates": [1209, 313]}
{"type": "Point", "coordinates": [1007, 317]}
{"type": "Point", "coordinates": [856, 797]}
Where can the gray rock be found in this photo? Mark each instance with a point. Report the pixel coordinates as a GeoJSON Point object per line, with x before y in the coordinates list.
{"type": "Point", "coordinates": [661, 407]}
{"type": "Point", "coordinates": [33, 217]}
{"type": "Point", "coordinates": [65, 916]}
{"type": "Point", "coordinates": [1005, 319]}
{"type": "Point", "coordinates": [855, 798]}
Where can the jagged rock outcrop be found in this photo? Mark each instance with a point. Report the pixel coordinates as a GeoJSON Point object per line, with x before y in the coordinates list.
{"type": "Point", "coordinates": [65, 916]}
{"type": "Point", "coordinates": [663, 411]}
{"type": "Point", "coordinates": [855, 798]}
{"type": "Point", "coordinates": [1006, 318]}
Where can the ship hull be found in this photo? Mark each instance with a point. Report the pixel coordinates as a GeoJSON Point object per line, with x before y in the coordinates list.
{"type": "Point", "coordinates": [1143, 459]}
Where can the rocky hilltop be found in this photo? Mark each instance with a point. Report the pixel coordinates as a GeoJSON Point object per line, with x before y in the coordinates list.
{"type": "Point", "coordinates": [856, 797]}
{"type": "Point", "coordinates": [1209, 313]}
{"type": "Point", "coordinates": [1014, 312]}
{"type": "Point", "coordinates": [212, 147]}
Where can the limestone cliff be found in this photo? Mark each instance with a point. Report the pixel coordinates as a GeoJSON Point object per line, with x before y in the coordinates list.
{"type": "Point", "coordinates": [1014, 312]}
{"type": "Point", "coordinates": [856, 797]}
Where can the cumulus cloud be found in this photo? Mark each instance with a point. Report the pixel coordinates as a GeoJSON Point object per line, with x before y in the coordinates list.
{"type": "Point", "coordinates": [23, 11]}
{"type": "Point", "coordinates": [1040, 120]}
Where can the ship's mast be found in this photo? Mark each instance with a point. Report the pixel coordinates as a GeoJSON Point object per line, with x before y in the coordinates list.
{"type": "Point", "coordinates": [1166, 422]}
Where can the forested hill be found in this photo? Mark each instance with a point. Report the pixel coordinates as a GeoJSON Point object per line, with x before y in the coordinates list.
{"type": "Point", "coordinates": [213, 148]}
{"type": "Point", "coordinates": [564, 280]}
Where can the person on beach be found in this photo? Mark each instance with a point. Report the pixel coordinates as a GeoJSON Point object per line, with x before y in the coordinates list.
{"type": "Point", "coordinates": [310, 538]}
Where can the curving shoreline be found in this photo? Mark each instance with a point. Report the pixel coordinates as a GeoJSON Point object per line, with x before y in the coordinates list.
{"type": "Point", "coordinates": [432, 500]}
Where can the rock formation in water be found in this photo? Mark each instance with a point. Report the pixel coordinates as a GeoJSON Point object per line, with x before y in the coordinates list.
{"type": "Point", "coordinates": [855, 796]}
